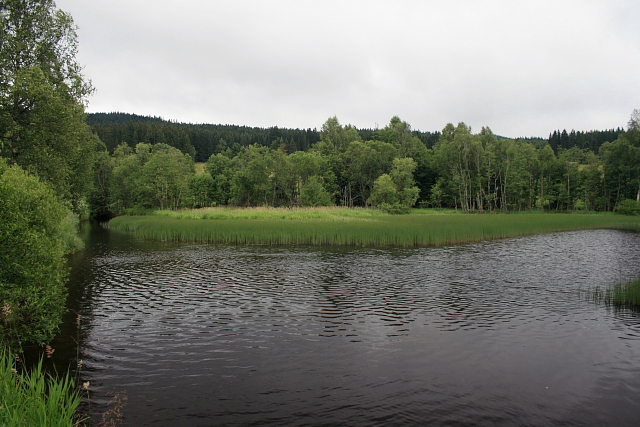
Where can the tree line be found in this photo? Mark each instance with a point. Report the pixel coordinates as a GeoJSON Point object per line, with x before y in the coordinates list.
{"type": "Point", "coordinates": [393, 169]}
{"type": "Point", "coordinates": [591, 140]}
{"type": "Point", "coordinates": [202, 140]}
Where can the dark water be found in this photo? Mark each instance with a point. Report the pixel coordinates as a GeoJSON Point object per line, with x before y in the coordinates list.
{"type": "Point", "coordinates": [497, 333]}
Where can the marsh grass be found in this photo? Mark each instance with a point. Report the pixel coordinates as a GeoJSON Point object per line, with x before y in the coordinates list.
{"type": "Point", "coordinates": [35, 398]}
{"type": "Point", "coordinates": [334, 213]}
{"type": "Point", "coordinates": [622, 295]}
{"type": "Point", "coordinates": [353, 227]}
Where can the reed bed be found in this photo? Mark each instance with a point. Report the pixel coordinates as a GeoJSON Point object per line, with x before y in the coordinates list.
{"type": "Point", "coordinates": [622, 295]}
{"type": "Point", "coordinates": [364, 227]}
{"type": "Point", "coordinates": [270, 213]}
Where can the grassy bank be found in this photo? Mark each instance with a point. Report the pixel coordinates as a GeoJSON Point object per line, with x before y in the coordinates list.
{"type": "Point", "coordinates": [357, 227]}
{"type": "Point", "coordinates": [35, 398]}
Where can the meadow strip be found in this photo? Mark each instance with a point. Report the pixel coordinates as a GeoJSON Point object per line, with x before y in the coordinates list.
{"type": "Point", "coordinates": [365, 228]}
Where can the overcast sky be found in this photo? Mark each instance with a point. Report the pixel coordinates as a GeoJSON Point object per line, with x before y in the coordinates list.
{"type": "Point", "coordinates": [523, 68]}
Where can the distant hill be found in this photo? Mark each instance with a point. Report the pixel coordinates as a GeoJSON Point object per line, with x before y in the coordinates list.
{"type": "Point", "coordinates": [590, 140]}
{"type": "Point", "coordinates": [203, 140]}
{"type": "Point", "coordinates": [120, 118]}
{"type": "Point", "coordinates": [199, 140]}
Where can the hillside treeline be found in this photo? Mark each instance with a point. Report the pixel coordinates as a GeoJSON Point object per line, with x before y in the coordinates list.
{"type": "Point", "coordinates": [202, 140]}
{"type": "Point", "coordinates": [591, 140]}
{"type": "Point", "coordinates": [394, 169]}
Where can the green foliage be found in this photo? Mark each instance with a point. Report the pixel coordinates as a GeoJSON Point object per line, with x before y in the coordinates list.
{"type": "Point", "coordinates": [393, 171]}
{"type": "Point", "coordinates": [384, 191]}
{"type": "Point", "coordinates": [483, 172]}
{"type": "Point", "coordinates": [203, 190]}
{"type": "Point", "coordinates": [35, 398]}
{"type": "Point", "coordinates": [590, 140]}
{"type": "Point", "coordinates": [154, 176]}
{"type": "Point", "coordinates": [166, 176]}
{"type": "Point", "coordinates": [399, 134]}
{"type": "Point", "coordinates": [313, 194]}
{"type": "Point", "coordinates": [220, 167]}
{"type": "Point", "coordinates": [621, 167]}
{"type": "Point", "coordinates": [364, 162]}
{"type": "Point", "coordinates": [628, 207]}
{"type": "Point", "coordinates": [35, 232]}
{"type": "Point", "coordinates": [337, 137]}
{"type": "Point", "coordinates": [402, 175]}
{"type": "Point", "coordinates": [42, 121]}
{"type": "Point", "coordinates": [396, 192]}
{"type": "Point", "coordinates": [71, 240]}
{"type": "Point", "coordinates": [253, 183]}
{"type": "Point", "coordinates": [100, 196]}
{"type": "Point", "coordinates": [36, 34]}
{"type": "Point", "coordinates": [209, 139]}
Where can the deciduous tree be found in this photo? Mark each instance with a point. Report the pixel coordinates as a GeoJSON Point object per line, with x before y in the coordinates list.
{"type": "Point", "coordinates": [42, 90]}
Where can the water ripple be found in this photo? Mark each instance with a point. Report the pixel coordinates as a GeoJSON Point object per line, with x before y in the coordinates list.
{"type": "Point", "coordinates": [483, 334]}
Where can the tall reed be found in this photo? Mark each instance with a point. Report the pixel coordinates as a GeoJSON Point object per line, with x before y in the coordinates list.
{"type": "Point", "coordinates": [364, 229]}
{"type": "Point", "coordinates": [622, 295]}
{"type": "Point", "coordinates": [35, 398]}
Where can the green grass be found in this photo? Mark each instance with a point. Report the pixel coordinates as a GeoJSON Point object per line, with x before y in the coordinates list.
{"type": "Point", "coordinates": [355, 227]}
{"type": "Point", "coordinates": [623, 295]}
{"type": "Point", "coordinates": [35, 398]}
{"type": "Point", "coordinates": [334, 213]}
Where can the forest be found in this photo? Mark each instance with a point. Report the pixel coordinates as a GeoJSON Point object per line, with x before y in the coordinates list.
{"type": "Point", "coordinates": [203, 140]}
{"type": "Point", "coordinates": [147, 163]}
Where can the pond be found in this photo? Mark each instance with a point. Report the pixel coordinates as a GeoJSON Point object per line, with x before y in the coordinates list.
{"type": "Point", "coordinates": [493, 333]}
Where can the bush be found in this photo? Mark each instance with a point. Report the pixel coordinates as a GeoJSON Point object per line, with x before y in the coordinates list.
{"type": "Point", "coordinates": [35, 233]}
{"type": "Point", "coordinates": [314, 194]}
{"type": "Point", "coordinates": [628, 207]}
{"type": "Point", "coordinates": [394, 208]}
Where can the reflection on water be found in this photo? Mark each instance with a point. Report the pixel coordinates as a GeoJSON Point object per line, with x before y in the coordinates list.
{"type": "Point", "coordinates": [483, 334]}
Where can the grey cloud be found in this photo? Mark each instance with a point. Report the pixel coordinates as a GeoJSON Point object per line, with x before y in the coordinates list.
{"type": "Point", "coordinates": [522, 68]}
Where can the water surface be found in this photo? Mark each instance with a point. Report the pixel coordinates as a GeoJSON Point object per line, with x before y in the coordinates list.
{"type": "Point", "coordinates": [494, 333]}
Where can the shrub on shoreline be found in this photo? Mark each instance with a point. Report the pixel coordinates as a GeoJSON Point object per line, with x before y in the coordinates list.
{"type": "Point", "coordinates": [36, 230]}
{"type": "Point", "coordinates": [628, 207]}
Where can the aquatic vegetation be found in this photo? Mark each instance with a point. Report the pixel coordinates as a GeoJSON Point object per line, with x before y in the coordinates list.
{"type": "Point", "coordinates": [35, 398]}
{"type": "Point", "coordinates": [621, 295]}
{"type": "Point", "coordinates": [356, 227]}
{"type": "Point", "coordinates": [114, 415]}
